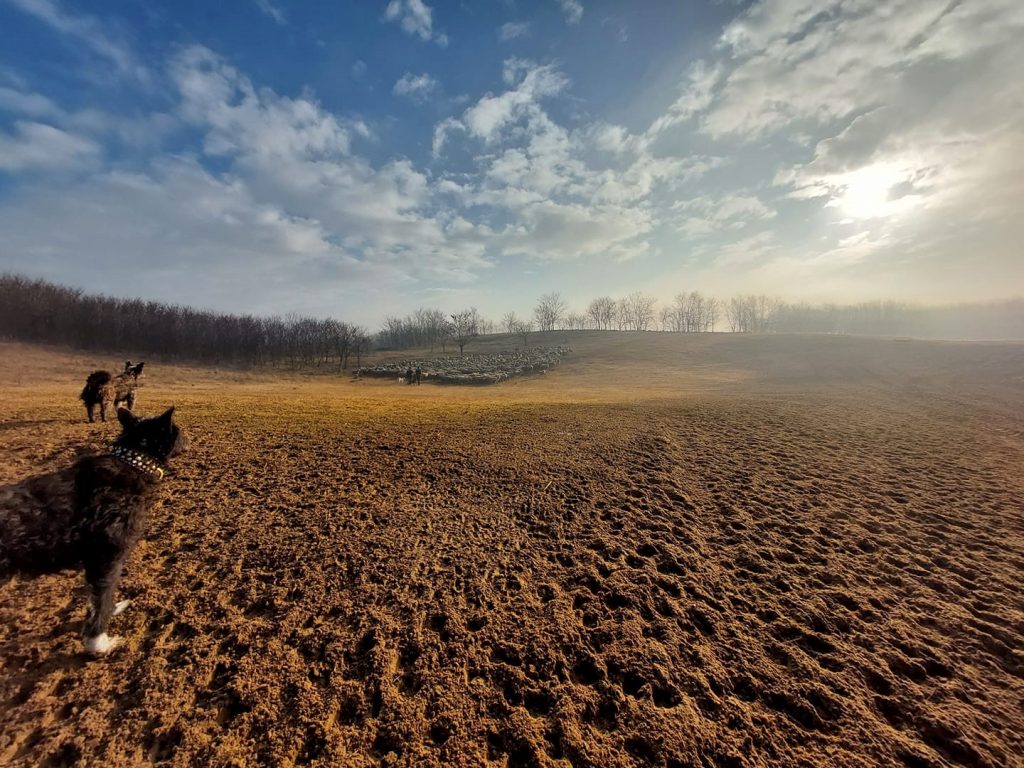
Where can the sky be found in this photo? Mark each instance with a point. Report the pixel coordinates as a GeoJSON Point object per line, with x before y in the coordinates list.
{"type": "Point", "coordinates": [363, 159]}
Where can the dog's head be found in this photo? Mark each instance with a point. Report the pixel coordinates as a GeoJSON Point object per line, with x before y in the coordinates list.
{"type": "Point", "coordinates": [158, 436]}
{"type": "Point", "coordinates": [133, 370]}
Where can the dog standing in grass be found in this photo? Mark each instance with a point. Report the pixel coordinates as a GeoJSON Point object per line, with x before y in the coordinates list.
{"type": "Point", "coordinates": [103, 389]}
{"type": "Point", "coordinates": [90, 515]}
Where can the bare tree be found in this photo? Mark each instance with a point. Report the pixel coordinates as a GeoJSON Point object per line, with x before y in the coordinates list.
{"type": "Point", "coordinates": [714, 308]}
{"type": "Point", "coordinates": [639, 311]}
{"type": "Point", "coordinates": [602, 312]}
{"type": "Point", "coordinates": [737, 314]}
{"type": "Point", "coordinates": [509, 322]}
{"type": "Point", "coordinates": [523, 329]}
{"type": "Point", "coordinates": [752, 314]}
{"type": "Point", "coordinates": [361, 344]}
{"type": "Point", "coordinates": [665, 319]}
{"type": "Point", "coordinates": [464, 326]}
{"type": "Point", "coordinates": [574, 321]}
{"type": "Point", "coordinates": [622, 316]}
{"type": "Point", "coordinates": [549, 311]}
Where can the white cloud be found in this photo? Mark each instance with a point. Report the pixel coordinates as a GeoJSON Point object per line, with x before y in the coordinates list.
{"type": "Point", "coordinates": [90, 32]}
{"type": "Point", "coordinates": [140, 130]}
{"type": "Point", "coordinates": [547, 230]}
{"type": "Point", "coordinates": [796, 60]}
{"type": "Point", "coordinates": [31, 104]}
{"type": "Point", "coordinates": [267, 8]}
{"type": "Point", "coordinates": [177, 220]}
{"type": "Point", "coordinates": [565, 194]}
{"type": "Point", "coordinates": [513, 29]}
{"type": "Point", "coordinates": [296, 156]}
{"type": "Point", "coordinates": [441, 131]}
{"type": "Point", "coordinates": [416, 18]}
{"type": "Point", "coordinates": [40, 147]}
{"type": "Point", "coordinates": [696, 96]}
{"type": "Point", "coordinates": [491, 113]}
{"type": "Point", "coordinates": [572, 10]}
{"type": "Point", "coordinates": [242, 120]}
{"type": "Point", "coordinates": [746, 251]}
{"type": "Point", "coordinates": [416, 87]}
{"type": "Point", "coordinates": [706, 215]}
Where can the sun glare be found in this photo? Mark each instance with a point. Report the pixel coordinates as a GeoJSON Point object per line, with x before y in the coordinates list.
{"type": "Point", "coordinates": [872, 192]}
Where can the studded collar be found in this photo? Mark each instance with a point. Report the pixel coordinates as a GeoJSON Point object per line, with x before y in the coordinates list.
{"type": "Point", "coordinates": [137, 460]}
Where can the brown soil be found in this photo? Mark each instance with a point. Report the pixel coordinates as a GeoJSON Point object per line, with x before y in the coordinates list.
{"type": "Point", "coordinates": [712, 551]}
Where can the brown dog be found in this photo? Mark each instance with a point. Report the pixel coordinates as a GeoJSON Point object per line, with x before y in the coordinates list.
{"type": "Point", "coordinates": [90, 515]}
{"type": "Point", "coordinates": [103, 390]}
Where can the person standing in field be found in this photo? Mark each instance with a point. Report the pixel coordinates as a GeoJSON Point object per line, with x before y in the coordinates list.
{"type": "Point", "coordinates": [419, 375]}
{"type": "Point", "coordinates": [408, 375]}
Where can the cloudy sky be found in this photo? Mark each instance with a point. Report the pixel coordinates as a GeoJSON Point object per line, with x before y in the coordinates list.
{"type": "Point", "coordinates": [358, 159]}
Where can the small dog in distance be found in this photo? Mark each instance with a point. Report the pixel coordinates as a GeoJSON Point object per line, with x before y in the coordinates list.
{"type": "Point", "coordinates": [90, 516]}
{"type": "Point", "coordinates": [103, 389]}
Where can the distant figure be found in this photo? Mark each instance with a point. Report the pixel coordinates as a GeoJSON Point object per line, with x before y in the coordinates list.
{"type": "Point", "coordinates": [419, 375]}
{"type": "Point", "coordinates": [408, 375]}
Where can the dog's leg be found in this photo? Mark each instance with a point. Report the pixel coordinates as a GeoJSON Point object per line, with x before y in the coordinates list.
{"type": "Point", "coordinates": [130, 400]}
{"type": "Point", "coordinates": [89, 407]}
{"type": "Point", "coordinates": [102, 579]}
{"type": "Point", "coordinates": [103, 410]}
{"type": "Point", "coordinates": [120, 606]}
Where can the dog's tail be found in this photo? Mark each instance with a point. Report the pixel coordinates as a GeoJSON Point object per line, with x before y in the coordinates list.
{"type": "Point", "coordinates": [96, 381]}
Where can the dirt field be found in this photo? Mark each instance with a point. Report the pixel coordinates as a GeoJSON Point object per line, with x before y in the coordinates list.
{"type": "Point", "coordinates": [705, 551]}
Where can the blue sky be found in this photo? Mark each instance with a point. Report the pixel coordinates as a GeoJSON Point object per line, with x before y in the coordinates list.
{"type": "Point", "coordinates": [366, 158]}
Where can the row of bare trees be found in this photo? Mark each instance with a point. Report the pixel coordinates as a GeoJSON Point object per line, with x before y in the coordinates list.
{"type": "Point", "coordinates": [636, 312]}
{"type": "Point", "coordinates": [433, 328]}
{"type": "Point", "coordinates": [696, 313]}
{"type": "Point", "coordinates": [757, 313]}
{"type": "Point", "coordinates": [39, 311]}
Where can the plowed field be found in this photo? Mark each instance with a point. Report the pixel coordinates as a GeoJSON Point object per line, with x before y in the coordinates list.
{"type": "Point", "coordinates": [707, 551]}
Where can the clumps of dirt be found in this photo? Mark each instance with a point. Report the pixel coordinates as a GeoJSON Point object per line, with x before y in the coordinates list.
{"type": "Point", "coordinates": [783, 580]}
{"type": "Point", "coordinates": [474, 369]}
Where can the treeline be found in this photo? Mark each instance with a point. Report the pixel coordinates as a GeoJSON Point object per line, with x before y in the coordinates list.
{"type": "Point", "coordinates": [433, 328]}
{"type": "Point", "coordinates": [39, 311]}
{"type": "Point", "coordinates": [695, 313]}
{"type": "Point", "coordinates": [992, 320]}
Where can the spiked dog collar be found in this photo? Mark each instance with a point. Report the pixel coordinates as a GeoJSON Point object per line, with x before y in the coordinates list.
{"type": "Point", "coordinates": [140, 461]}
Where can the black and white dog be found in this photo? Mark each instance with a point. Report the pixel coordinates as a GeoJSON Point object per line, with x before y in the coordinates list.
{"type": "Point", "coordinates": [90, 515]}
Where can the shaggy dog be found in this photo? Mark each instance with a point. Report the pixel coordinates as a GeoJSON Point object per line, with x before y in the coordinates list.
{"type": "Point", "coordinates": [102, 389]}
{"type": "Point", "coordinates": [90, 515]}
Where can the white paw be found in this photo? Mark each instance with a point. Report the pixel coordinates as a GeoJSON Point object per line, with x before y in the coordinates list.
{"type": "Point", "coordinates": [120, 606]}
{"type": "Point", "coordinates": [101, 645]}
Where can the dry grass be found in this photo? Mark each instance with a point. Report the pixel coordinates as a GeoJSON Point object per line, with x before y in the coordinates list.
{"type": "Point", "coordinates": [670, 551]}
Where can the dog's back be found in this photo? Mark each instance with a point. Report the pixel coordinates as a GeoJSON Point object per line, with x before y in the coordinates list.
{"type": "Point", "coordinates": [37, 523]}
{"type": "Point", "coordinates": [60, 520]}
{"type": "Point", "coordinates": [123, 385]}
{"type": "Point", "coordinates": [95, 386]}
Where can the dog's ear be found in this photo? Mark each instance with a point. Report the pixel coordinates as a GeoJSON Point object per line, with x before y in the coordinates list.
{"type": "Point", "coordinates": [167, 416]}
{"type": "Point", "coordinates": [127, 365]}
{"type": "Point", "coordinates": [138, 369]}
{"type": "Point", "coordinates": [126, 417]}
